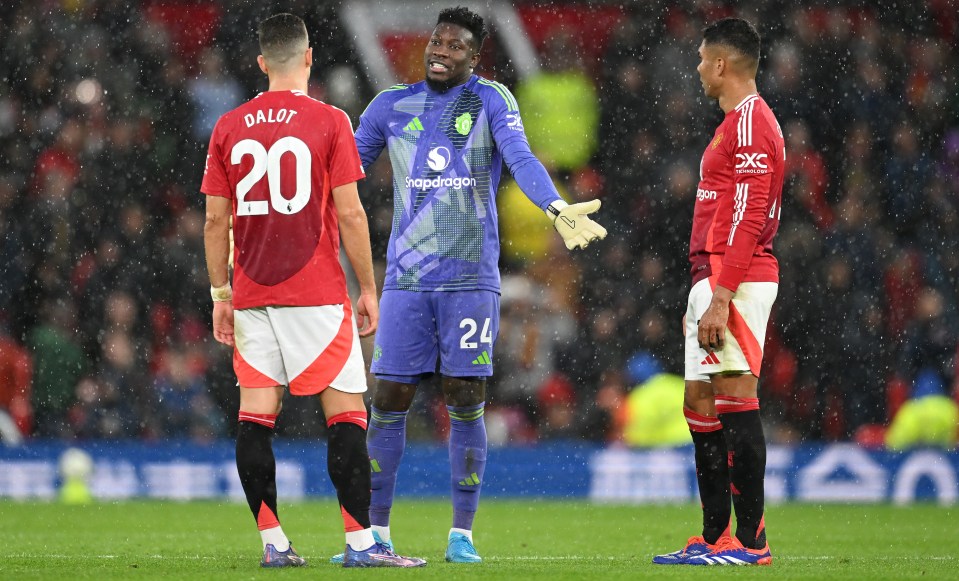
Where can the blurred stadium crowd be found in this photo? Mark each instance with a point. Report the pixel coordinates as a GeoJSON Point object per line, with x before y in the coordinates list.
{"type": "Point", "coordinates": [106, 107]}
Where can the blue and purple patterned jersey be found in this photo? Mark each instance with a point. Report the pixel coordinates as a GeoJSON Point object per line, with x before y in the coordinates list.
{"type": "Point", "coordinates": [447, 151]}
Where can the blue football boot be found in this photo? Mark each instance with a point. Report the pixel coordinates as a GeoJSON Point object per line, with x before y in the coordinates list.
{"type": "Point", "coordinates": [461, 550]}
{"type": "Point", "coordinates": [338, 559]}
{"type": "Point", "coordinates": [379, 555]}
{"type": "Point", "coordinates": [274, 559]}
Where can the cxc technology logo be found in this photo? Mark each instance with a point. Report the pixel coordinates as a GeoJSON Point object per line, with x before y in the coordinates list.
{"type": "Point", "coordinates": [438, 158]}
{"type": "Point", "coordinates": [751, 163]}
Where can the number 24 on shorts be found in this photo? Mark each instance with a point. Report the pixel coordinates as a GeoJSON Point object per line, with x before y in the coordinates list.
{"type": "Point", "coordinates": [486, 335]}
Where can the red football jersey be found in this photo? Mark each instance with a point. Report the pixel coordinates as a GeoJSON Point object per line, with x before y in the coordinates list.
{"type": "Point", "coordinates": [278, 157]}
{"type": "Point", "coordinates": [739, 199]}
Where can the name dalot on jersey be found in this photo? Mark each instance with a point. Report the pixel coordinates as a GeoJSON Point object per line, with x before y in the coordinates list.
{"type": "Point", "coordinates": [280, 116]}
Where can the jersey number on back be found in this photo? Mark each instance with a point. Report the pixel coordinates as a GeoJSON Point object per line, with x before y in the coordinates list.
{"type": "Point", "coordinates": [268, 163]}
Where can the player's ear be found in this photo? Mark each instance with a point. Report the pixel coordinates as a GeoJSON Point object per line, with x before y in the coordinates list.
{"type": "Point", "coordinates": [309, 57]}
{"type": "Point", "coordinates": [721, 65]}
{"type": "Point", "coordinates": [262, 62]}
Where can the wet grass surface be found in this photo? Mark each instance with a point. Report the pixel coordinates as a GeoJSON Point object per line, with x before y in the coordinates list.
{"type": "Point", "coordinates": [518, 540]}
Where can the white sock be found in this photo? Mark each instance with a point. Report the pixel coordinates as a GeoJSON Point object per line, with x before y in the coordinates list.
{"type": "Point", "coordinates": [276, 538]}
{"type": "Point", "coordinates": [360, 540]}
{"type": "Point", "coordinates": [469, 534]}
{"type": "Point", "coordinates": [384, 532]}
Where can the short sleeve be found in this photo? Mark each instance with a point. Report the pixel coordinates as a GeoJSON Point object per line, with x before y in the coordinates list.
{"type": "Point", "coordinates": [215, 182]}
{"type": "Point", "coordinates": [345, 165]}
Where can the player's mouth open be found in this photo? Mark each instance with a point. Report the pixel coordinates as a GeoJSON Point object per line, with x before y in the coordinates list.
{"type": "Point", "coordinates": [437, 67]}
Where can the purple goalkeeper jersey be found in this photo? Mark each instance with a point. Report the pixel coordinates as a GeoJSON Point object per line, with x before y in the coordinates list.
{"type": "Point", "coordinates": [447, 151]}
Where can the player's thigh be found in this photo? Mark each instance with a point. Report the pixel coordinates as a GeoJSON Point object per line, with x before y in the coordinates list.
{"type": "Point", "coordinates": [406, 344]}
{"type": "Point", "coordinates": [694, 357]}
{"type": "Point", "coordinates": [257, 358]}
{"type": "Point", "coordinates": [745, 333]}
{"type": "Point", "coordinates": [468, 324]}
{"type": "Point", "coordinates": [320, 346]}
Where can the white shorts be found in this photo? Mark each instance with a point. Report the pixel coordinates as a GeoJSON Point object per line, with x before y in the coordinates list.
{"type": "Point", "coordinates": [745, 332]}
{"type": "Point", "coordinates": [306, 348]}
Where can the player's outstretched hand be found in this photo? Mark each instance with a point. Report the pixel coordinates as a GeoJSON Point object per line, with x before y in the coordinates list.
{"type": "Point", "coordinates": [223, 322]}
{"type": "Point", "coordinates": [575, 226]}
{"type": "Point", "coordinates": [367, 314]}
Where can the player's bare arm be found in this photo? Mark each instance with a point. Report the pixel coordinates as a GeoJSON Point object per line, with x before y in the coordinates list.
{"type": "Point", "coordinates": [355, 233]}
{"type": "Point", "coordinates": [216, 239]}
{"type": "Point", "coordinates": [712, 327]}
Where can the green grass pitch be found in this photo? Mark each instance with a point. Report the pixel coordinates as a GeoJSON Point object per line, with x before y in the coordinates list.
{"type": "Point", "coordinates": [518, 539]}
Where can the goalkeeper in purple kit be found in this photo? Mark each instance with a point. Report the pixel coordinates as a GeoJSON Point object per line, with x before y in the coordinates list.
{"type": "Point", "coordinates": [447, 137]}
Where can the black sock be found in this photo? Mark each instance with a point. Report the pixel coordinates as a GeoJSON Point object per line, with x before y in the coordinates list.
{"type": "Point", "coordinates": [348, 463]}
{"type": "Point", "coordinates": [257, 468]}
{"type": "Point", "coordinates": [712, 474]}
{"type": "Point", "coordinates": [747, 448]}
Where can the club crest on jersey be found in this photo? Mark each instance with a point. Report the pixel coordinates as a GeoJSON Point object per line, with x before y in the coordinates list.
{"type": "Point", "coordinates": [464, 123]}
{"type": "Point", "coordinates": [438, 158]}
{"type": "Point", "coordinates": [716, 141]}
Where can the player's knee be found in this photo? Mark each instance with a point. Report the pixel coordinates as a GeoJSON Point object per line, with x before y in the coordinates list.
{"type": "Point", "coordinates": [736, 384]}
{"type": "Point", "coordinates": [700, 398]}
{"type": "Point", "coordinates": [335, 402]}
{"type": "Point", "coordinates": [393, 396]}
{"type": "Point", "coordinates": [464, 391]}
{"type": "Point", "coordinates": [702, 405]}
{"type": "Point", "coordinates": [261, 400]}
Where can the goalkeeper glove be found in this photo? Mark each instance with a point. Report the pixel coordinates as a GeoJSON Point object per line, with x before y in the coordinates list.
{"type": "Point", "coordinates": [573, 223]}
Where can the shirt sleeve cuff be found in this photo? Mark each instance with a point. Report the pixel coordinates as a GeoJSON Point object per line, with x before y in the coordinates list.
{"type": "Point", "coordinates": [731, 276]}
{"type": "Point", "coordinates": [553, 208]}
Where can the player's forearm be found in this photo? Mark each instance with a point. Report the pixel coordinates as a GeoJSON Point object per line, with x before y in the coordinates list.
{"type": "Point", "coordinates": [216, 240]}
{"type": "Point", "coordinates": [530, 174]}
{"type": "Point", "coordinates": [355, 233]}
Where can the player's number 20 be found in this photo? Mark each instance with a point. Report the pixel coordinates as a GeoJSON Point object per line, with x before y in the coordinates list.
{"type": "Point", "coordinates": [470, 325]}
{"type": "Point", "coordinates": [268, 163]}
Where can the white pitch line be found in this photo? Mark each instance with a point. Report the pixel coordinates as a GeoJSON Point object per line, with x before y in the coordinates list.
{"type": "Point", "coordinates": [545, 558]}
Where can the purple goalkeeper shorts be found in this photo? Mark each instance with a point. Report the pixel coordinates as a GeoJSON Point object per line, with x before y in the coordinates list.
{"type": "Point", "coordinates": [457, 327]}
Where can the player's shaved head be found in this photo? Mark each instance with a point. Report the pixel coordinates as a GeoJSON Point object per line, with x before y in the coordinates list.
{"type": "Point", "coordinates": [283, 38]}
{"type": "Point", "coordinates": [740, 39]}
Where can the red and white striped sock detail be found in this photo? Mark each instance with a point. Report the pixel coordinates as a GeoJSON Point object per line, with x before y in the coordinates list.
{"type": "Point", "coordinates": [354, 417]}
{"type": "Point", "coordinates": [701, 423]}
{"type": "Point", "coordinates": [727, 404]}
{"type": "Point", "coordinates": [268, 420]}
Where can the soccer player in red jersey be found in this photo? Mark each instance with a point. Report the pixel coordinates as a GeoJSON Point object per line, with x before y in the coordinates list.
{"type": "Point", "coordinates": [735, 282]}
{"type": "Point", "coordinates": [284, 167]}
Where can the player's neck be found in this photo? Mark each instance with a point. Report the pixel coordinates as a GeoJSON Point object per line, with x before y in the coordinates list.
{"type": "Point", "coordinates": [735, 95]}
{"type": "Point", "coordinates": [288, 83]}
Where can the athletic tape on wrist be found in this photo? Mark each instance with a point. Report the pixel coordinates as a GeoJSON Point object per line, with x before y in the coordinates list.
{"type": "Point", "coordinates": [221, 294]}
